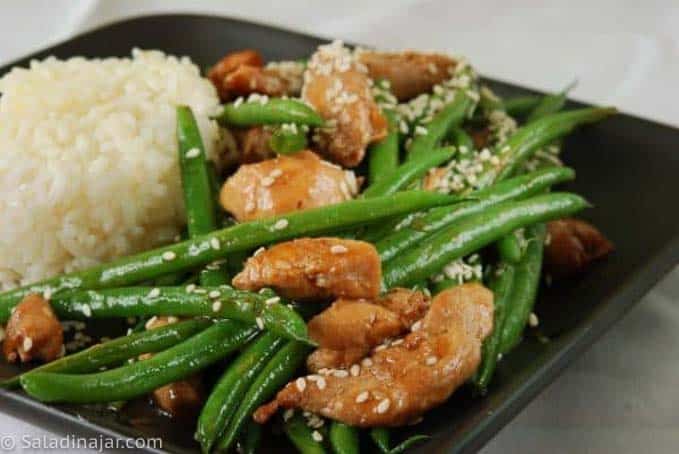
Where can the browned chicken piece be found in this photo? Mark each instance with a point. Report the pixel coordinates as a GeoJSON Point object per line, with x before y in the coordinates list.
{"type": "Point", "coordinates": [181, 399]}
{"type": "Point", "coordinates": [435, 178]}
{"type": "Point", "coordinates": [33, 332]}
{"type": "Point", "coordinates": [399, 383]}
{"type": "Point", "coordinates": [315, 268]}
{"type": "Point", "coordinates": [571, 245]}
{"type": "Point", "coordinates": [481, 138]}
{"type": "Point", "coordinates": [409, 73]}
{"type": "Point", "coordinates": [349, 329]}
{"type": "Point", "coordinates": [242, 73]}
{"type": "Point", "coordinates": [253, 144]}
{"type": "Point", "coordinates": [337, 86]}
{"type": "Point", "coordinates": [285, 184]}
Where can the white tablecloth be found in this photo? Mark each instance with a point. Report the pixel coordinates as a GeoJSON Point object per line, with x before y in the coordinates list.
{"type": "Point", "coordinates": [623, 395]}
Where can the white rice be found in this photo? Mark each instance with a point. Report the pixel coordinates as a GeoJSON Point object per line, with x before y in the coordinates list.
{"type": "Point", "coordinates": [88, 159]}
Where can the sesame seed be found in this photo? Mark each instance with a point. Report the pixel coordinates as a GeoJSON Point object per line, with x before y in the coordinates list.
{"type": "Point", "coordinates": [87, 310]}
{"type": "Point", "coordinates": [499, 356]}
{"type": "Point", "coordinates": [533, 320]}
{"type": "Point", "coordinates": [340, 373]}
{"type": "Point", "coordinates": [272, 300]}
{"type": "Point", "coordinates": [316, 435]}
{"type": "Point", "coordinates": [280, 224]}
{"type": "Point", "coordinates": [367, 362]}
{"type": "Point", "coordinates": [200, 291]}
{"type": "Point", "coordinates": [238, 101]}
{"type": "Point", "coordinates": [169, 255]}
{"type": "Point", "coordinates": [355, 370]}
{"type": "Point", "coordinates": [259, 322]}
{"type": "Point", "coordinates": [47, 294]}
{"type": "Point", "coordinates": [216, 306]}
{"type": "Point", "coordinates": [397, 342]}
{"type": "Point", "coordinates": [320, 383]}
{"type": "Point", "coordinates": [416, 326]}
{"type": "Point", "coordinates": [287, 414]}
{"type": "Point", "coordinates": [214, 294]}
{"type": "Point", "coordinates": [259, 251]}
{"type": "Point", "coordinates": [190, 288]}
{"type": "Point", "coordinates": [430, 361]}
{"type": "Point", "coordinates": [383, 406]}
{"type": "Point", "coordinates": [338, 249]}
{"type": "Point", "coordinates": [362, 397]}
{"type": "Point", "coordinates": [150, 322]}
{"type": "Point", "coordinates": [27, 344]}
{"type": "Point", "coordinates": [172, 319]}
{"type": "Point", "coordinates": [193, 153]}
{"type": "Point", "coordinates": [379, 348]}
{"type": "Point", "coordinates": [300, 383]}
{"type": "Point", "coordinates": [275, 173]}
{"type": "Point", "coordinates": [215, 244]}
{"type": "Point", "coordinates": [154, 293]}
{"type": "Point", "coordinates": [267, 181]}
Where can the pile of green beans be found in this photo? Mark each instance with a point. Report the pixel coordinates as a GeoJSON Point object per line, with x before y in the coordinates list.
{"type": "Point", "coordinates": [270, 112]}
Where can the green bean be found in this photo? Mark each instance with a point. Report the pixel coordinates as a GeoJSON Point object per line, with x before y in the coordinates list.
{"type": "Point", "coordinates": [529, 138]}
{"type": "Point", "coordinates": [525, 289]}
{"type": "Point", "coordinates": [501, 284]}
{"type": "Point", "coordinates": [252, 436]}
{"type": "Point", "coordinates": [381, 436]}
{"type": "Point", "coordinates": [217, 245]}
{"type": "Point", "coordinates": [409, 172]}
{"type": "Point", "coordinates": [550, 104]}
{"type": "Point", "coordinates": [460, 138]}
{"type": "Point", "coordinates": [118, 350]}
{"type": "Point", "coordinates": [510, 248]}
{"type": "Point", "coordinates": [273, 111]}
{"type": "Point", "coordinates": [516, 188]}
{"type": "Point", "coordinates": [288, 139]}
{"type": "Point", "coordinates": [275, 374]}
{"type": "Point", "coordinates": [224, 397]}
{"type": "Point", "coordinates": [301, 435]}
{"type": "Point", "coordinates": [473, 233]}
{"type": "Point", "coordinates": [404, 446]}
{"type": "Point", "coordinates": [215, 302]}
{"type": "Point", "coordinates": [521, 106]}
{"type": "Point", "coordinates": [197, 189]}
{"type": "Point", "coordinates": [141, 377]}
{"type": "Point", "coordinates": [383, 156]}
{"type": "Point", "coordinates": [343, 438]}
{"type": "Point", "coordinates": [450, 116]}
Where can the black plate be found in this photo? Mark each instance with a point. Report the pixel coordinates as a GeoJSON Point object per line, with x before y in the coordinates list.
{"type": "Point", "coordinates": [628, 167]}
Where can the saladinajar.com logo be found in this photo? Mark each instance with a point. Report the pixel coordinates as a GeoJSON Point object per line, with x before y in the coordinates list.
{"type": "Point", "coordinates": [69, 443]}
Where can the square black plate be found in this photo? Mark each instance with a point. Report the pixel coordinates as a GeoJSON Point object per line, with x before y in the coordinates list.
{"type": "Point", "coordinates": [628, 167]}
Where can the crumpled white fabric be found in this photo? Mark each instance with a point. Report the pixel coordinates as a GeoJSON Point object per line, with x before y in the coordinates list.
{"type": "Point", "coordinates": [620, 396]}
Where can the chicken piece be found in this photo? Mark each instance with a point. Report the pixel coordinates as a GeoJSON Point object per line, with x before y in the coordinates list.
{"type": "Point", "coordinates": [571, 245]}
{"type": "Point", "coordinates": [315, 268]}
{"type": "Point", "coordinates": [399, 383]}
{"type": "Point", "coordinates": [253, 145]}
{"type": "Point", "coordinates": [285, 184]}
{"type": "Point", "coordinates": [337, 86]}
{"type": "Point", "coordinates": [349, 329]}
{"type": "Point", "coordinates": [33, 332]}
{"type": "Point", "coordinates": [181, 399]}
{"type": "Point", "coordinates": [242, 73]}
{"type": "Point", "coordinates": [409, 73]}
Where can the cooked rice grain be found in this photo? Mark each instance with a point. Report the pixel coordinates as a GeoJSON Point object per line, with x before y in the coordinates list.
{"type": "Point", "coordinates": [88, 159]}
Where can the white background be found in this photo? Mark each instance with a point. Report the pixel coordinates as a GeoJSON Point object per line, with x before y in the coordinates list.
{"type": "Point", "coordinates": [623, 395]}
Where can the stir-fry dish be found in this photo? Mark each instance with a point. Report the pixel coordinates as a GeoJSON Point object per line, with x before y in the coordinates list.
{"type": "Point", "coordinates": [362, 234]}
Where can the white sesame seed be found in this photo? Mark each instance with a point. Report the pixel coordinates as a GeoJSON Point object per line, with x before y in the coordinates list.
{"type": "Point", "coordinates": [338, 249]}
{"type": "Point", "coordinates": [499, 356]}
{"type": "Point", "coordinates": [200, 291]}
{"type": "Point", "coordinates": [300, 383]}
{"type": "Point", "coordinates": [275, 173]}
{"type": "Point", "coordinates": [316, 435]}
{"type": "Point", "coordinates": [190, 288]}
{"type": "Point", "coordinates": [238, 101]}
{"type": "Point", "coordinates": [216, 306]}
{"type": "Point", "coordinates": [169, 255]}
{"type": "Point", "coordinates": [154, 293]}
{"type": "Point", "coordinates": [193, 153]}
{"type": "Point", "coordinates": [267, 181]}
{"type": "Point", "coordinates": [397, 342]}
{"type": "Point", "coordinates": [47, 294]}
{"type": "Point", "coordinates": [259, 322]}
{"type": "Point", "coordinates": [430, 361]}
{"type": "Point", "coordinates": [27, 344]}
{"type": "Point", "coordinates": [383, 406]}
{"type": "Point", "coordinates": [287, 414]}
{"type": "Point", "coordinates": [362, 397]}
{"type": "Point", "coordinates": [366, 362]}
{"type": "Point", "coordinates": [87, 310]}
{"type": "Point", "coordinates": [533, 320]}
{"type": "Point", "coordinates": [172, 319]}
{"type": "Point", "coordinates": [272, 300]}
{"type": "Point", "coordinates": [280, 224]}
{"type": "Point", "coordinates": [355, 370]}
{"type": "Point", "coordinates": [215, 244]}
{"type": "Point", "coordinates": [214, 294]}
{"type": "Point", "coordinates": [416, 326]}
{"type": "Point", "coordinates": [320, 383]}
{"type": "Point", "coordinates": [340, 373]}
{"type": "Point", "coordinates": [313, 378]}
{"type": "Point", "coordinates": [259, 251]}
{"type": "Point", "coordinates": [150, 322]}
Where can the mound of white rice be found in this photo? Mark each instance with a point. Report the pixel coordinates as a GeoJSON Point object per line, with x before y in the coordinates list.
{"type": "Point", "coordinates": [88, 165]}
